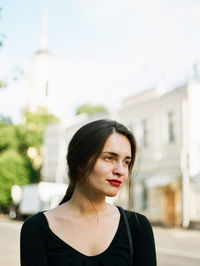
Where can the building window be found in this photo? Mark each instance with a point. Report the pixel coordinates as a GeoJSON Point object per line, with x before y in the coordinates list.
{"type": "Point", "coordinates": [170, 118]}
{"type": "Point", "coordinates": [141, 133]}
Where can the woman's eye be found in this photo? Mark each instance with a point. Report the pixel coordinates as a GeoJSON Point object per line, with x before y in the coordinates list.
{"type": "Point", "coordinates": [108, 158]}
{"type": "Point", "coordinates": [127, 163]}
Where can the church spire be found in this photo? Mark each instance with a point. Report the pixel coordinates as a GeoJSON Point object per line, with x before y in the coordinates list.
{"type": "Point", "coordinates": [44, 32]}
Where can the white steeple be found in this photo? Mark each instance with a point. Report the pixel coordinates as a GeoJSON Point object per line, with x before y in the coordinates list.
{"type": "Point", "coordinates": [40, 89]}
{"type": "Point", "coordinates": [44, 32]}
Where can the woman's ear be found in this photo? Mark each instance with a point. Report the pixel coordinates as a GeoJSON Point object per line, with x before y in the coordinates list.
{"type": "Point", "coordinates": [80, 170]}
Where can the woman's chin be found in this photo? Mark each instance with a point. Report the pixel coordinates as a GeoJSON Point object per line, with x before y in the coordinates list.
{"type": "Point", "coordinates": [112, 193]}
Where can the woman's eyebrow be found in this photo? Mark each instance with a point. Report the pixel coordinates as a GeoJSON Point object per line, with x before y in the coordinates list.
{"type": "Point", "coordinates": [115, 154]}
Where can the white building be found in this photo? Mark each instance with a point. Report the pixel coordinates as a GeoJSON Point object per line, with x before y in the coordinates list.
{"type": "Point", "coordinates": [166, 124]}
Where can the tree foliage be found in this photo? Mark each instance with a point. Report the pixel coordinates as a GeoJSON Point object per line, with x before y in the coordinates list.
{"type": "Point", "coordinates": [30, 130]}
{"type": "Point", "coordinates": [90, 109]}
{"type": "Point", "coordinates": [16, 166]}
{"type": "Point", "coordinates": [8, 138]}
{"type": "Point", "coordinates": [13, 170]}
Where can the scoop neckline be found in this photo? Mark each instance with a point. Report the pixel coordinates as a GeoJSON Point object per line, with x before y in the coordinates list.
{"type": "Point", "coordinates": [74, 249]}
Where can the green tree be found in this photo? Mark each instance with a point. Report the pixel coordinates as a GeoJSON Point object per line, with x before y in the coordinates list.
{"type": "Point", "coordinates": [13, 170]}
{"type": "Point", "coordinates": [17, 165]}
{"type": "Point", "coordinates": [8, 139]}
{"type": "Point", "coordinates": [30, 131]}
{"type": "Point", "coordinates": [30, 138]}
{"type": "Point", "coordinates": [90, 109]}
{"type": "Point", "coordinates": [2, 84]}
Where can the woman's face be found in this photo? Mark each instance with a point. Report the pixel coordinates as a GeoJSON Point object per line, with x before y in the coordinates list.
{"type": "Point", "coordinates": [111, 168]}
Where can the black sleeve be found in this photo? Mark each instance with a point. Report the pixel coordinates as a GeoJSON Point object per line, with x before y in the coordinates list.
{"type": "Point", "coordinates": [33, 248]}
{"type": "Point", "coordinates": [143, 243]}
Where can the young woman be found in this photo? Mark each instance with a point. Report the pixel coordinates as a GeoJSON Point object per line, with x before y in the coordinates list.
{"type": "Point", "coordinates": [84, 229]}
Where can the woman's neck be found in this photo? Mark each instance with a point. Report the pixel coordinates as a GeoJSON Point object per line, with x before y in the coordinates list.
{"type": "Point", "coordinates": [86, 203]}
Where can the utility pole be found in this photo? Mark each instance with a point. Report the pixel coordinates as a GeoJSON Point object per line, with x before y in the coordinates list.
{"type": "Point", "coordinates": [184, 164]}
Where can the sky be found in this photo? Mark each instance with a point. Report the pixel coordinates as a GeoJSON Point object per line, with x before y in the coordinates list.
{"type": "Point", "coordinates": [103, 51]}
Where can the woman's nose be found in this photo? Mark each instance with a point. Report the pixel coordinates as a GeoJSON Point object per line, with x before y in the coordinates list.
{"type": "Point", "coordinates": [119, 168]}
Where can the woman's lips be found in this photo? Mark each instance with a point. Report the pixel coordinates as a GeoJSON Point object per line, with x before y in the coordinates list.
{"type": "Point", "coordinates": [115, 182]}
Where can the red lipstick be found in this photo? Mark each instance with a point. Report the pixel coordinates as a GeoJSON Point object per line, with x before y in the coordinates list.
{"type": "Point", "coordinates": [115, 182]}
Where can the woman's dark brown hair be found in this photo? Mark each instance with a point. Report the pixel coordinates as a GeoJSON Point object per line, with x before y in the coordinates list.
{"type": "Point", "coordinates": [85, 147]}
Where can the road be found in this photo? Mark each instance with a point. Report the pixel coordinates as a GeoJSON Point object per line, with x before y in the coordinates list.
{"type": "Point", "coordinates": [9, 242]}
{"type": "Point", "coordinates": [175, 247]}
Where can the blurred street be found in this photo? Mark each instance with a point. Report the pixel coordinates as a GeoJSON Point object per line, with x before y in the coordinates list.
{"type": "Point", "coordinates": [175, 247]}
{"type": "Point", "coordinates": [9, 242]}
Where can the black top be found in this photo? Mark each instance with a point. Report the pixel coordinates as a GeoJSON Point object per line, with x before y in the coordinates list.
{"type": "Point", "coordinates": [41, 247]}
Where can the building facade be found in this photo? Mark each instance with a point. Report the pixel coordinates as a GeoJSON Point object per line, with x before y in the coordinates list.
{"type": "Point", "coordinates": [166, 125]}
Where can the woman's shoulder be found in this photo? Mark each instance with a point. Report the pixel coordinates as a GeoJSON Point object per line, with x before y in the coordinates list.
{"type": "Point", "coordinates": [138, 219]}
{"type": "Point", "coordinates": [34, 232]}
{"type": "Point", "coordinates": [34, 222]}
{"type": "Point", "coordinates": [135, 214]}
